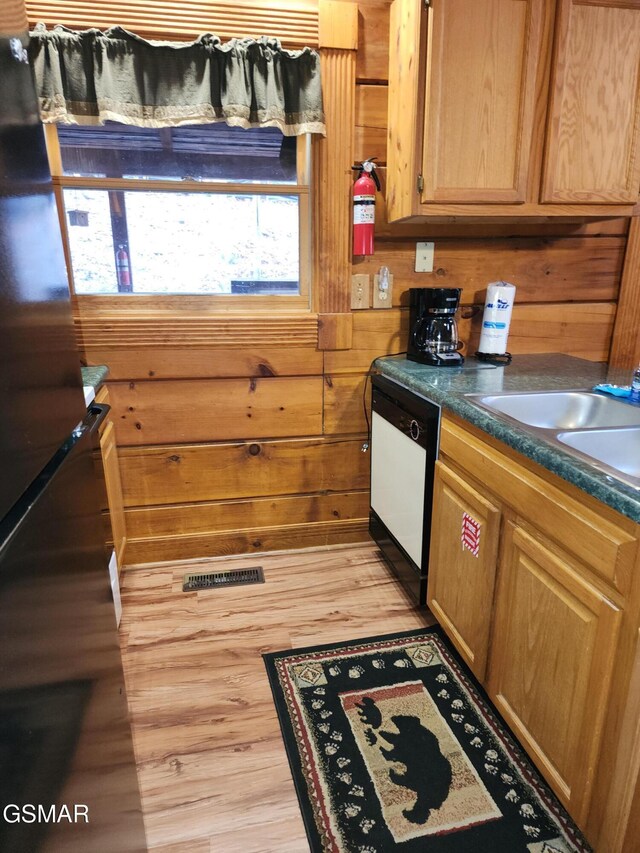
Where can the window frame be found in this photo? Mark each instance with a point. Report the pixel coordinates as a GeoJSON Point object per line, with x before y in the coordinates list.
{"type": "Point", "coordinates": [193, 301]}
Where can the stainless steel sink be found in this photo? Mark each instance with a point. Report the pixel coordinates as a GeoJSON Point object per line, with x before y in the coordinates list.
{"type": "Point", "coordinates": [600, 430]}
{"type": "Point", "coordinates": [562, 410]}
{"type": "Point", "coordinates": [615, 448]}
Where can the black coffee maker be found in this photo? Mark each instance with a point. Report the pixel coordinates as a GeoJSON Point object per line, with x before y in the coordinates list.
{"type": "Point", "coordinates": [433, 332]}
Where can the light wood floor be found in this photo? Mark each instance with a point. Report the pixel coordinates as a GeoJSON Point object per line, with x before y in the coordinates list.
{"type": "Point", "coordinates": [213, 771]}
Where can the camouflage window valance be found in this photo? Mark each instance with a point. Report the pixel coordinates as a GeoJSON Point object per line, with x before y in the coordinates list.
{"type": "Point", "coordinates": [90, 77]}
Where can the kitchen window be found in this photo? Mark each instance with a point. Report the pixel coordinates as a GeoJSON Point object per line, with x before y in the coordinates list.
{"type": "Point", "coordinates": [202, 210]}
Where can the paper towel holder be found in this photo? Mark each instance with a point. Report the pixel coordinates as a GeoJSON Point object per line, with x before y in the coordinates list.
{"type": "Point", "coordinates": [495, 323]}
{"type": "Point", "coordinates": [494, 357]}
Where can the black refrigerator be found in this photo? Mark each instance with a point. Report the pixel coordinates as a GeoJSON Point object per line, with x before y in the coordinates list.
{"type": "Point", "coordinates": [67, 771]}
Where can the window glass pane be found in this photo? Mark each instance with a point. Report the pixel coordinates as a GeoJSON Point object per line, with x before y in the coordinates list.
{"type": "Point", "coordinates": [90, 241]}
{"type": "Point", "coordinates": [172, 242]}
{"type": "Point", "coordinates": [203, 152]}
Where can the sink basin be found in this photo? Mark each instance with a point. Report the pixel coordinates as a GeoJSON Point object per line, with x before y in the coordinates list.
{"type": "Point", "coordinates": [564, 410]}
{"type": "Point", "coordinates": [616, 448]}
{"type": "Point", "coordinates": [598, 429]}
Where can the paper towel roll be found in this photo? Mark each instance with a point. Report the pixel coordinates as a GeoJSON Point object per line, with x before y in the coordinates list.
{"type": "Point", "coordinates": [496, 318]}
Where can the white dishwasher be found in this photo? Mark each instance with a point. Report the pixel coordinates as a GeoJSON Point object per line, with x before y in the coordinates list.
{"type": "Point", "coordinates": [404, 448]}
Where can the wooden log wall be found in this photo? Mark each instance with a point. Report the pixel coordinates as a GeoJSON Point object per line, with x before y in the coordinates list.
{"type": "Point", "coordinates": [213, 464]}
{"type": "Point", "coordinates": [230, 443]}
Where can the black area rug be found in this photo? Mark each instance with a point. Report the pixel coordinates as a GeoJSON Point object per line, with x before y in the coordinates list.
{"type": "Point", "coordinates": [394, 746]}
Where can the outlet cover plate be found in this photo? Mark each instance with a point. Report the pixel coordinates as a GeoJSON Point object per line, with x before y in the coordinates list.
{"type": "Point", "coordinates": [424, 257]}
{"type": "Point", "coordinates": [360, 291]}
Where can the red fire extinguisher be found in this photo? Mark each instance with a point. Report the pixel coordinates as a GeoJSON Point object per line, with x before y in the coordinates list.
{"type": "Point", "coordinates": [123, 270]}
{"type": "Point", "coordinates": [364, 206]}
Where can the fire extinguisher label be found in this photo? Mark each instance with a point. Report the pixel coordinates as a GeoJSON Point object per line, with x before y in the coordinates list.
{"type": "Point", "coordinates": [364, 214]}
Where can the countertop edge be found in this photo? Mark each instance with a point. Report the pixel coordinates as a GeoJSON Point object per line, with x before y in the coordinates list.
{"type": "Point", "coordinates": [617, 495]}
{"type": "Point", "coordinates": [94, 375]}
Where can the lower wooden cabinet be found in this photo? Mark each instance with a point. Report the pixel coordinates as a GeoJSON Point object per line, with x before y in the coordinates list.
{"type": "Point", "coordinates": [538, 587]}
{"type": "Point", "coordinates": [462, 568]}
{"type": "Point", "coordinates": [552, 660]}
{"type": "Point", "coordinates": [111, 471]}
{"type": "Point", "coordinates": [553, 633]}
{"type": "Point", "coordinates": [113, 485]}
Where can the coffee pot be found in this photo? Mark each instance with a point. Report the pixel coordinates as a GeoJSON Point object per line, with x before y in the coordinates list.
{"type": "Point", "coordinates": [433, 331]}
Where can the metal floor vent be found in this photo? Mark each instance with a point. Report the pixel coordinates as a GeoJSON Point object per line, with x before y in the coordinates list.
{"type": "Point", "coordinates": [215, 580]}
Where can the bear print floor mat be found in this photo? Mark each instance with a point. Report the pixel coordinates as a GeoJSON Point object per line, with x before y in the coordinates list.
{"type": "Point", "coordinates": [393, 745]}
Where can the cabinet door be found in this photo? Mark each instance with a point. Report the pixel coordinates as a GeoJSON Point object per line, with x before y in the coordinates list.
{"type": "Point", "coordinates": [480, 97]}
{"type": "Point", "coordinates": [551, 665]}
{"type": "Point", "coordinates": [462, 565]}
{"type": "Point", "coordinates": [113, 485]}
{"type": "Point", "coordinates": [593, 132]}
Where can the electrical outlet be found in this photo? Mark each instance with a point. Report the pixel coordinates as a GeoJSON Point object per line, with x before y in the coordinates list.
{"type": "Point", "coordinates": [383, 296]}
{"type": "Point", "coordinates": [424, 257]}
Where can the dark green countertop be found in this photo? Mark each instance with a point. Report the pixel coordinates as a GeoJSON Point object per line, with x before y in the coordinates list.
{"type": "Point", "coordinates": [448, 386]}
{"type": "Point", "coordinates": [94, 376]}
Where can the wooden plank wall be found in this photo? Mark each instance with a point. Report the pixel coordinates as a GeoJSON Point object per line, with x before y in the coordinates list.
{"type": "Point", "coordinates": [218, 458]}
{"type": "Point", "coordinates": [248, 447]}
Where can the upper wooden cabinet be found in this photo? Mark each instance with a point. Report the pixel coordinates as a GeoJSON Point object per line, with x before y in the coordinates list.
{"type": "Point", "coordinates": [469, 91]}
{"type": "Point", "coordinates": [593, 131]}
{"type": "Point", "coordinates": [481, 70]}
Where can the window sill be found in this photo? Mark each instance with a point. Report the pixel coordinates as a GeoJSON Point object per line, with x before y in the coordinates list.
{"type": "Point", "coordinates": [136, 322]}
{"type": "Point", "coordinates": [177, 304]}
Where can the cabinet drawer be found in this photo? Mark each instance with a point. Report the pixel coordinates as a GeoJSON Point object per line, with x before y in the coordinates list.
{"type": "Point", "coordinates": [561, 514]}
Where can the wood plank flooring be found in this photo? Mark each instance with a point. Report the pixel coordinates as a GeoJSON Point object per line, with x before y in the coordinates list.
{"type": "Point", "coordinates": [213, 772]}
